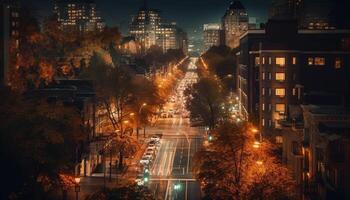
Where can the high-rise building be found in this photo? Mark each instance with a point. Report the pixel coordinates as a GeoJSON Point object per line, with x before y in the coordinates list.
{"type": "Point", "coordinates": [9, 22]}
{"type": "Point", "coordinates": [144, 26]}
{"type": "Point", "coordinates": [283, 66]}
{"type": "Point", "coordinates": [166, 36]}
{"type": "Point", "coordinates": [78, 15]}
{"type": "Point", "coordinates": [182, 40]}
{"type": "Point", "coordinates": [149, 29]}
{"type": "Point", "coordinates": [235, 23]}
{"type": "Point", "coordinates": [212, 35]}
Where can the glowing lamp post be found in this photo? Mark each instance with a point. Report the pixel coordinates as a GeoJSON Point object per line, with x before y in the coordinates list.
{"type": "Point", "coordinates": [77, 187]}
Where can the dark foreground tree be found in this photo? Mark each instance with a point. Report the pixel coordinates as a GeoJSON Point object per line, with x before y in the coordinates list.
{"type": "Point", "coordinates": [38, 145]}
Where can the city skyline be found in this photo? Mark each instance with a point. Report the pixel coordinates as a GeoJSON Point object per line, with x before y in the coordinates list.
{"type": "Point", "coordinates": [119, 12]}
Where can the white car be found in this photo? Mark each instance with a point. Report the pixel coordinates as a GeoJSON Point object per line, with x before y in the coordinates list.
{"type": "Point", "coordinates": [148, 156]}
{"type": "Point", "coordinates": [144, 161]}
{"type": "Point", "coordinates": [140, 180]}
{"type": "Point", "coordinates": [155, 138]}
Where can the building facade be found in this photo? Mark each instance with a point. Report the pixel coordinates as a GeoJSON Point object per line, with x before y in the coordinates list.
{"type": "Point", "coordinates": [281, 66]}
{"type": "Point", "coordinates": [149, 29]}
{"type": "Point", "coordinates": [212, 35]}
{"type": "Point", "coordinates": [235, 23]}
{"type": "Point", "coordinates": [78, 15]}
{"type": "Point", "coordinates": [9, 35]}
{"type": "Point", "coordinates": [314, 149]}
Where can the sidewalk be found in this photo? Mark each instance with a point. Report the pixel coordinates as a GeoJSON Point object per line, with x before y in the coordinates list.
{"type": "Point", "coordinates": [97, 181]}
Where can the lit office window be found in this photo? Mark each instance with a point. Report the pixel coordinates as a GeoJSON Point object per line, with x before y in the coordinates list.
{"type": "Point", "coordinates": [263, 91]}
{"type": "Point", "coordinates": [263, 107]}
{"type": "Point", "coordinates": [257, 61]}
{"type": "Point", "coordinates": [263, 76]}
{"type": "Point", "coordinates": [337, 63]}
{"type": "Point", "coordinates": [294, 61]}
{"type": "Point", "coordinates": [280, 76]}
{"type": "Point", "coordinates": [281, 61]}
{"type": "Point", "coordinates": [320, 61]}
{"type": "Point", "coordinates": [270, 60]}
{"type": "Point", "coordinates": [310, 61]}
{"type": "Point", "coordinates": [262, 122]}
{"type": "Point", "coordinates": [263, 60]}
{"type": "Point", "coordinates": [281, 92]}
{"type": "Point", "coordinates": [281, 108]}
{"type": "Point", "coordinates": [279, 139]}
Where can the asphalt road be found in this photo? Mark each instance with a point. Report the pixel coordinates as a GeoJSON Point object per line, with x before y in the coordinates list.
{"type": "Point", "coordinates": [173, 164]}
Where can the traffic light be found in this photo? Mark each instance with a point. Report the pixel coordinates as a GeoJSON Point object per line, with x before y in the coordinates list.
{"type": "Point", "coordinates": [146, 176]}
{"type": "Point", "coordinates": [177, 186]}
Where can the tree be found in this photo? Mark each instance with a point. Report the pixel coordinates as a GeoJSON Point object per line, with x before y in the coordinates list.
{"type": "Point", "coordinates": [205, 100]}
{"type": "Point", "coordinates": [38, 145]}
{"type": "Point", "coordinates": [233, 168]}
{"type": "Point", "coordinates": [221, 61]}
{"type": "Point", "coordinates": [123, 193]}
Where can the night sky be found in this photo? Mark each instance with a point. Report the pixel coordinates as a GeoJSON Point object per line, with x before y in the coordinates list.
{"type": "Point", "coordinates": [189, 14]}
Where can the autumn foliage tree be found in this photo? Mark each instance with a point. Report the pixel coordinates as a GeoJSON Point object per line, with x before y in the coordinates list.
{"type": "Point", "coordinates": [121, 95]}
{"type": "Point", "coordinates": [236, 166]}
{"type": "Point", "coordinates": [38, 146]}
{"type": "Point", "coordinates": [45, 51]}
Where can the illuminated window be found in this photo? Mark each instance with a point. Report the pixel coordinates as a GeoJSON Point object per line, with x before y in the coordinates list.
{"type": "Point", "coordinates": [263, 76]}
{"type": "Point", "coordinates": [270, 60]}
{"type": "Point", "coordinates": [257, 61]}
{"type": "Point", "coordinates": [263, 91]}
{"type": "Point", "coordinates": [281, 108]}
{"type": "Point", "coordinates": [279, 139]}
{"type": "Point", "coordinates": [294, 92]}
{"type": "Point", "coordinates": [337, 63]}
{"type": "Point", "coordinates": [310, 61]}
{"type": "Point", "coordinates": [263, 60]}
{"type": "Point", "coordinates": [263, 106]}
{"type": "Point", "coordinates": [281, 61]}
{"type": "Point", "coordinates": [262, 122]}
{"type": "Point", "coordinates": [320, 61]}
{"type": "Point", "coordinates": [294, 61]}
{"type": "Point", "coordinates": [280, 76]}
{"type": "Point", "coordinates": [281, 92]}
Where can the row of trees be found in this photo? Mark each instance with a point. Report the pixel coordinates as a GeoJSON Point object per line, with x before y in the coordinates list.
{"type": "Point", "coordinates": [233, 164]}
{"type": "Point", "coordinates": [45, 51]}
{"type": "Point", "coordinates": [125, 98]}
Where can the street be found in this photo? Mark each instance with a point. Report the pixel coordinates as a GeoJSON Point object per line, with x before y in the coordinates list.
{"type": "Point", "coordinates": [171, 173]}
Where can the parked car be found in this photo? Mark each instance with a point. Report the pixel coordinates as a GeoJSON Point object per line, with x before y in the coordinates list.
{"type": "Point", "coordinates": [140, 180]}
{"type": "Point", "coordinates": [145, 161]}
{"type": "Point", "coordinates": [155, 138]}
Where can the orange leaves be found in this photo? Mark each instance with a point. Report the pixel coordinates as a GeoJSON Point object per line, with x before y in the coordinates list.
{"type": "Point", "coordinates": [46, 70]}
{"type": "Point", "coordinates": [250, 169]}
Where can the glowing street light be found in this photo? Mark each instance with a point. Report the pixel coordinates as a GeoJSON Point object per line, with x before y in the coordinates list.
{"type": "Point", "coordinates": [77, 187]}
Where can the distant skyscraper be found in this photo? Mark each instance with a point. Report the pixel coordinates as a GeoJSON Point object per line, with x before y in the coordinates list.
{"type": "Point", "coordinates": [182, 40]}
{"type": "Point", "coordinates": [235, 23]}
{"type": "Point", "coordinates": [149, 29]}
{"type": "Point", "coordinates": [9, 21]}
{"type": "Point", "coordinates": [80, 15]}
{"type": "Point", "coordinates": [212, 35]}
{"type": "Point", "coordinates": [144, 26]}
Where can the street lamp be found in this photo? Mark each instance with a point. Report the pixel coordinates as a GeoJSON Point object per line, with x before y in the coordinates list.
{"type": "Point", "coordinates": [77, 187]}
{"type": "Point", "coordinates": [138, 121]}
